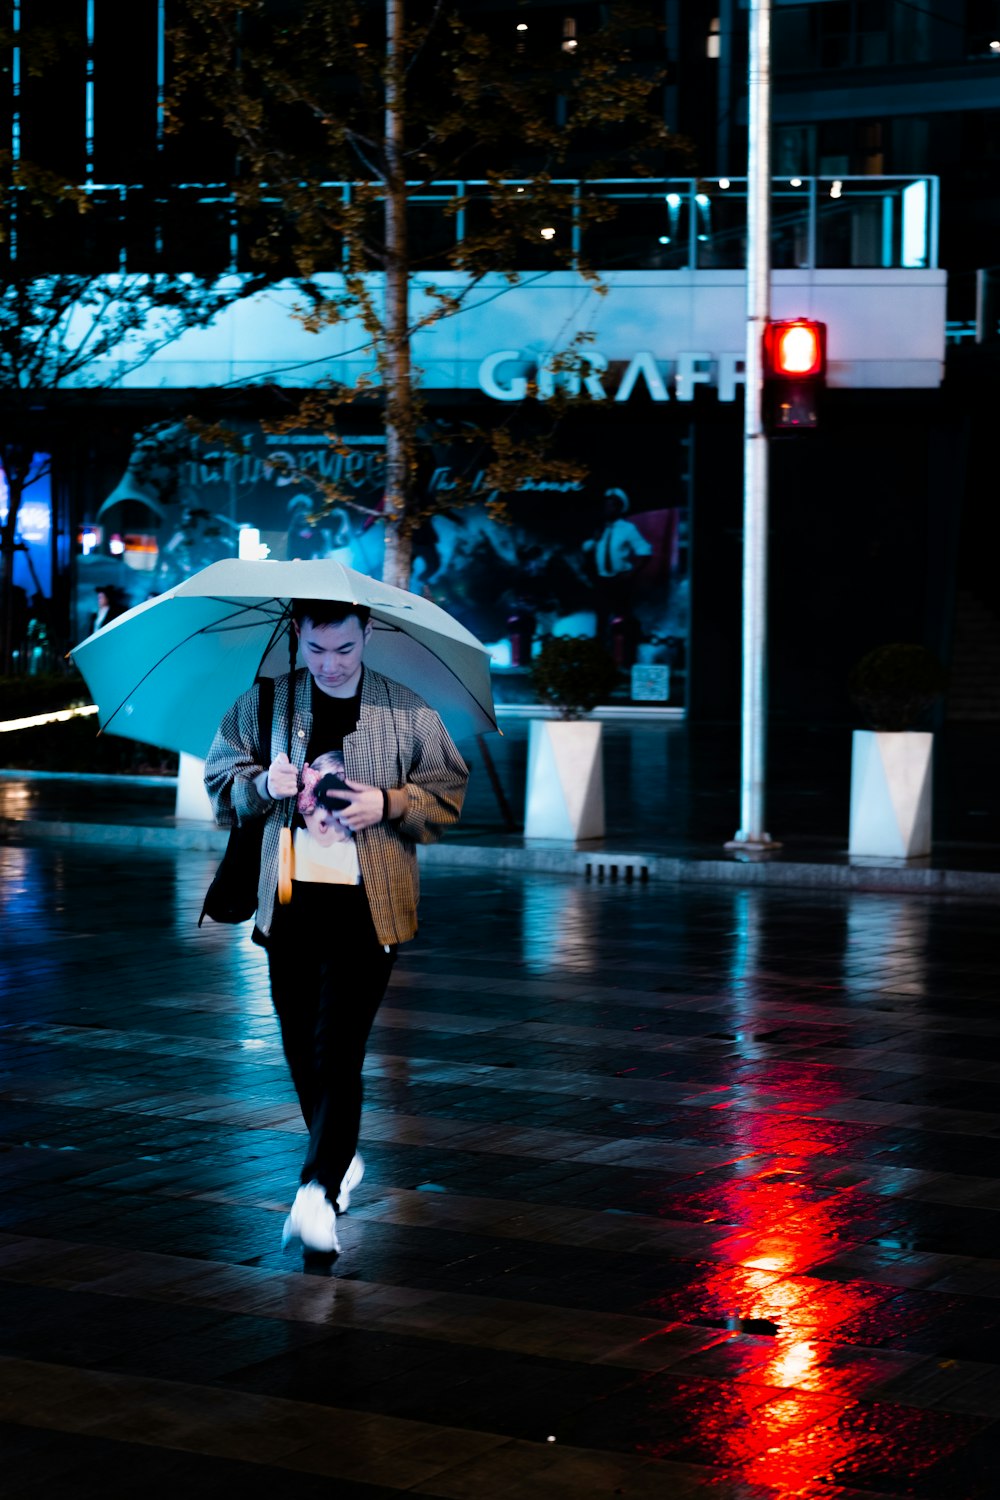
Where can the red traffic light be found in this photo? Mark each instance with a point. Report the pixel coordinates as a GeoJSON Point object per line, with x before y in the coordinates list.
{"type": "Point", "coordinates": [795, 349]}
{"type": "Point", "coordinates": [794, 374]}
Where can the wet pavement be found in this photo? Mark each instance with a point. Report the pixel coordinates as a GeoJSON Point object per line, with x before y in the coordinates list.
{"type": "Point", "coordinates": [671, 1191]}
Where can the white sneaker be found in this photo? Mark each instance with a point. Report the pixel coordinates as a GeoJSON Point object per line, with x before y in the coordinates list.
{"type": "Point", "coordinates": [352, 1177]}
{"type": "Point", "coordinates": [312, 1221]}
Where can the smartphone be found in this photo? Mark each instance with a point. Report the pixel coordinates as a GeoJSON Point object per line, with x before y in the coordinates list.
{"type": "Point", "coordinates": [332, 792]}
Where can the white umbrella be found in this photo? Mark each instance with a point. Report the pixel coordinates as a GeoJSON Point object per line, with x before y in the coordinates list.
{"type": "Point", "coordinates": [166, 671]}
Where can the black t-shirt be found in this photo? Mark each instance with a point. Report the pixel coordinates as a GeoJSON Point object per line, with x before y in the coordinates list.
{"type": "Point", "coordinates": [333, 718]}
{"type": "Point", "coordinates": [324, 848]}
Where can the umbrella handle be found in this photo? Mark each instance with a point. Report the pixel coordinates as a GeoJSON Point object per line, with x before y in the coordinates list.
{"type": "Point", "coordinates": [286, 849]}
{"type": "Point", "coordinates": [286, 866]}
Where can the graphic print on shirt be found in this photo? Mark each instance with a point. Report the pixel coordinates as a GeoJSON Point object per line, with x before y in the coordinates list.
{"type": "Point", "coordinates": [325, 851]}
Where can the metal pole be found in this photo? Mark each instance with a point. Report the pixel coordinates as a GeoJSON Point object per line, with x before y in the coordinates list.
{"type": "Point", "coordinates": [15, 122]}
{"type": "Point", "coordinates": [751, 834]}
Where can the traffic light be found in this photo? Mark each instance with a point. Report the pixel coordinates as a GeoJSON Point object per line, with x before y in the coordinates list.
{"type": "Point", "coordinates": [794, 374]}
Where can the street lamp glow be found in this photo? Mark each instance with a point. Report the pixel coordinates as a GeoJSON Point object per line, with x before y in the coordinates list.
{"type": "Point", "coordinates": [674, 200]}
{"type": "Point", "coordinates": [836, 189]}
{"type": "Point", "coordinates": [522, 26]}
{"type": "Point", "coordinates": [702, 200]}
{"type": "Point", "coordinates": [723, 183]}
{"type": "Point", "coordinates": [548, 234]}
{"type": "Point", "coordinates": [995, 46]}
{"type": "Point", "coordinates": [795, 182]}
{"type": "Point", "coordinates": [250, 545]}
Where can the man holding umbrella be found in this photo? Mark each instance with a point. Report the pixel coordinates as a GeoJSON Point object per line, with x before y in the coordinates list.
{"type": "Point", "coordinates": [362, 770]}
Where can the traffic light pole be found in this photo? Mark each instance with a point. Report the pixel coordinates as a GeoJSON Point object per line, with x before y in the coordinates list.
{"type": "Point", "coordinates": [751, 835]}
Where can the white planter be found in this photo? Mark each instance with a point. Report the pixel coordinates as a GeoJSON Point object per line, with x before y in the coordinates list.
{"type": "Point", "coordinates": [192, 798]}
{"type": "Point", "coordinates": [891, 793]}
{"type": "Point", "coordinates": [565, 789]}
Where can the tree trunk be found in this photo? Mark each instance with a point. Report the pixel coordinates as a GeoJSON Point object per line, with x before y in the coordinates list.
{"type": "Point", "coordinates": [8, 537]}
{"type": "Point", "coordinates": [398, 557]}
{"type": "Point", "coordinates": [397, 372]}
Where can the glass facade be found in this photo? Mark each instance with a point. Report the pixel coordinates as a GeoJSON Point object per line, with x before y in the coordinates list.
{"type": "Point", "coordinates": [603, 556]}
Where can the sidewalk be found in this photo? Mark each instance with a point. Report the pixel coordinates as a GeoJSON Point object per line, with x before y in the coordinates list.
{"type": "Point", "coordinates": [682, 1195]}
{"type": "Point", "coordinates": [672, 795]}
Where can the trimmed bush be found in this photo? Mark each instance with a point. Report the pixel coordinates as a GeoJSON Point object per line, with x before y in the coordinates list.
{"type": "Point", "coordinates": [894, 684]}
{"type": "Point", "coordinates": [573, 674]}
{"type": "Point", "coordinates": [74, 744]}
{"type": "Point", "coordinates": [21, 697]}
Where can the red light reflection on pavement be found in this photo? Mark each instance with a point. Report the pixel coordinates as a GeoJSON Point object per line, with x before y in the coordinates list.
{"type": "Point", "coordinates": [863, 1443]}
{"type": "Point", "coordinates": [788, 1415]}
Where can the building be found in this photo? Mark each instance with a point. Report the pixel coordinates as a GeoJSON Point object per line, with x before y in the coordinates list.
{"type": "Point", "coordinates": [897, 487]}
{"type": "Point", "coordinates": [881, 214]}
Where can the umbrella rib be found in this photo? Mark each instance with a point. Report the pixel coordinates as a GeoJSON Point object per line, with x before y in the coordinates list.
{"type": "Point", "coordinates": [265, 605]}
{"type": "Point", "coordinates": [280, 614]}
{"type": "Point", "coordinates": [202, 630]}
{"type": "Point", "coordinates": [232, 622]}
{"type": "Point", "coordinates": [385, 625]}
{"type": "Point", "coordinates": [283, 619]}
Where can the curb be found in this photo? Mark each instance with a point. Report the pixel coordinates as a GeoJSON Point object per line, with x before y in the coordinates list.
{"type": "Point", "coordinates": [629, 868]}
{"type": "Point", "coordinates": [609, 866]}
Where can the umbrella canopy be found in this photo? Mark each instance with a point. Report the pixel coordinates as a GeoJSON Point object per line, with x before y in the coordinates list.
{"type": "Point", "coordinates": [166, 671]}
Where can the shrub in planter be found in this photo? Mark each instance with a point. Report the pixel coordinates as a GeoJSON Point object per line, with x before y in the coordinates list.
{"type": "Point", "coordinates": [75, 745]}
{"type": "Point", "coordinates": [23, 697]}
{"type": "Point", "coordinates": [891, 784]}
{"type": "Point", "coordinates": [894, 684]}
{"type": "Point", "coordinates": [573, 674]}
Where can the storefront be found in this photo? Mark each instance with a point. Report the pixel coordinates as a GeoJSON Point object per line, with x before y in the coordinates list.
{"type": "Point", "coordinates": [654, 421]}
{"type": "Point", "coordinates": [602, 555]}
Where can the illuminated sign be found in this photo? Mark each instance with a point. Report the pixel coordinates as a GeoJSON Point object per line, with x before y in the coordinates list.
{"type": "Point", "coordinates": [511, 374]}
{"type": "Point", "coordinates": [141, 551]}
{"type": "Point", "coordinates": [34, 520]}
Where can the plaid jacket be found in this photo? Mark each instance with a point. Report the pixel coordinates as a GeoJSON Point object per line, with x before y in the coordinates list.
{"type": "Point", "coordinates": [399, 743]}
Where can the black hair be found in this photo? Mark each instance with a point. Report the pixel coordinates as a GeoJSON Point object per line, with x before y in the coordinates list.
{"type": "Point", "coordinates": [328, 612]}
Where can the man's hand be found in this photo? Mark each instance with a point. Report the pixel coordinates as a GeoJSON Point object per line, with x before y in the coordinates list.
{"type": "Point", "coordinates": [364, 809]}
{"type": "Point", "coordinates": [282, 778]}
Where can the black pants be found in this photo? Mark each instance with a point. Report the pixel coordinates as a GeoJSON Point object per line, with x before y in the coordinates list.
{"type": "Point", "coordinates": [329, 973]}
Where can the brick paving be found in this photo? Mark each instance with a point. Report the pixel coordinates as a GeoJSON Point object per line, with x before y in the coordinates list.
{"type": "Point", "coordinates": [685, 1192]}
